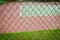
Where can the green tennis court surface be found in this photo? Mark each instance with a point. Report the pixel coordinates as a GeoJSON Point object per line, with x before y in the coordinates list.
{"type": "Point", "coordinates": [39, 10]}
{"type": "Point", "coordinates": [52, 34]}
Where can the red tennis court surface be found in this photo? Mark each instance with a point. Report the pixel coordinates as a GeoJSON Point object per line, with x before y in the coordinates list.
{"type": "Point", "coordinates": [11, 21]}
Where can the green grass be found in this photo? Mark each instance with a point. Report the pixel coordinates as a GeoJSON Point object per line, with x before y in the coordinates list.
{"type": "Point", "coordinates": [53, 34]}
{"type": "Point", "coordinates": [6, 1]}
{"type": "Point", "coordinates": [2, 2]}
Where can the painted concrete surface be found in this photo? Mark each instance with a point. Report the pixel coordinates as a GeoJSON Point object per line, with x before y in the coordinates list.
{"type": "Point", "coordinates": [11, 21]}
{"type": "Point", "coordinates": [39, 10]}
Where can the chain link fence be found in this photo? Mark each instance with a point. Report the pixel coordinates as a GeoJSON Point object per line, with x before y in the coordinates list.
{"type": "Point", "coordinates": [29, 16]}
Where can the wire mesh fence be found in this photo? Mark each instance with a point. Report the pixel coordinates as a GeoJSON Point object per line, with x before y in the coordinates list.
{"type": "Point", "coordinates": [29, 16]}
